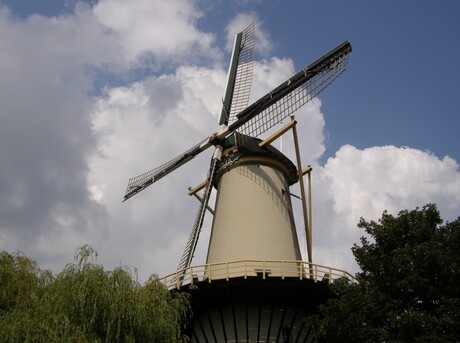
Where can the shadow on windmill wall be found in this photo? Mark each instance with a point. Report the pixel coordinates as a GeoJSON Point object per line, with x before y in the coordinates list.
{"type": "Point", "coordinates": [264, 181]}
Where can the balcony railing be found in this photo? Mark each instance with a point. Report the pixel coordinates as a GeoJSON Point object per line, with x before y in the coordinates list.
{"type": "Point", "coordinates": [253, 268]}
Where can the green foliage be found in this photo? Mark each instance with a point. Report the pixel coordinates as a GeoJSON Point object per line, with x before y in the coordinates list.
{"type": "Point", "coordinates": [21, 281]}
{"type": "Point", "coordinates": [409, 287]}
{"type": "Point", "coordinates": [84, 303]}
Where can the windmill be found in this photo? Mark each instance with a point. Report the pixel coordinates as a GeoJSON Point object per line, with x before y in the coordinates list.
{"type": "Point", "coordinates": [253, 235]}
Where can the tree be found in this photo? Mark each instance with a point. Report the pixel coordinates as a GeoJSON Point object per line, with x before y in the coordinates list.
{"type": "Point", "coordinates": [409, 286]}
{"type": "Point", "coordinates": [84, 303]}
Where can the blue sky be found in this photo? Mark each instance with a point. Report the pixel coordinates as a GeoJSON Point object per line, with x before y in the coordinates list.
{"type": "Point", "coordinates": [95, 92]}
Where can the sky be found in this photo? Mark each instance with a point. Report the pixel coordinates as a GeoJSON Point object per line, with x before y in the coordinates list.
{"type": "Point", "coordinates": [93, 93]}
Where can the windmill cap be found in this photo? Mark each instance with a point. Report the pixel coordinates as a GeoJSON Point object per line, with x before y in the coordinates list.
{"type": "Point", "coordinates": [241, 149]}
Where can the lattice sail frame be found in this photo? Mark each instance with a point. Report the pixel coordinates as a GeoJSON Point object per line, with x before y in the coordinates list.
{"type": "Point", "coordinates": [190, 247]}
{"type": "Point", "coordinates": [243, 80]}
{"type": "Point", "coordinates": [284, 107]}
{"type": "Point", "coordinates": [138, 183]}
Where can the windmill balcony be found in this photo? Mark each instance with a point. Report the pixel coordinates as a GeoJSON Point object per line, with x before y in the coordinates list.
{"type": "Point", "coordinates": [263, 269]}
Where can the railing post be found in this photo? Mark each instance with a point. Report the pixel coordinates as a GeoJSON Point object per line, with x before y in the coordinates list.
{"type": "Point", "coordinates": [210, 276]}
{"type": "Point", "coordinates": [226, 267]}
{"type": "Point", "coordinates": [263, 269]}
{"type": "Point", "coordinates": [245, 269]}
{"type": "Point", "coordinates": [282, 269]}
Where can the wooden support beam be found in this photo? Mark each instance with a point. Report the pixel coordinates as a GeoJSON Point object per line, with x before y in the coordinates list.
{"type": "Point", "coordinates": [308, 235]}
{"type": "Point", "coordinates": [193, 190]}
{"type": "Point", "coordinates": [200, 199]}
{"type": "Point", "coordinates": [278, 133]}
{"type": "Point", "coordinates": [308, 169]}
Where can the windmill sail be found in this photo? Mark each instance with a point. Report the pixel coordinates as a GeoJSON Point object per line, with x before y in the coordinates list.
{"type": "Point", "coordinates": [239, 76]}
{"type": "Point", "coordinates": [293, 93]}
{"type": "Point", "coordinates": [142, 181]}
{"type": "Point", "coordinates": [190, 247]}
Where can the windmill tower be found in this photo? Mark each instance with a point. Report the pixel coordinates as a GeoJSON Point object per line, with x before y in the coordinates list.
{"type": "Point", "coordinates": [254, 286]}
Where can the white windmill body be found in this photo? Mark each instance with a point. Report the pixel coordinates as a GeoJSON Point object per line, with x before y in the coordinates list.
{"type": "Point", "coordinates": [254, 285]}
{"type": "Point", "coordinates": [253, 213]}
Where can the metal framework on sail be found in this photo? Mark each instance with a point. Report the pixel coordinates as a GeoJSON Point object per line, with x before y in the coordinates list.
{"type": "Point", "coordinates": [140, 182]}
{"type": "Point", "coordinates": [243, 79]}
{"type": "Point", "coordinates": [190, 247]}
{"type": "Point", "coordinates": [293, 94]}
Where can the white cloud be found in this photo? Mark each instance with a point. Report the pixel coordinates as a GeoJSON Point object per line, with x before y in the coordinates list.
{"type": "Point", "coordinates": [363, 183]}
{"type": "Point", "coordinates": [240, 22]}
{"type": "Point", "coordinates": [45, 134]}
{"type": "Point", "coordinates": [391, 178]}
{"type": "Point", "coordinates": [59, 47]}
{"type": "Point", "coordinates": [269, 74]}
{"type": "Point", "coordinates": [165, 29]}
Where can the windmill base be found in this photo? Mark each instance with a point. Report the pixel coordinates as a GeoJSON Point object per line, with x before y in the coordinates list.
{"type": "Point", "coordinates": [254, 309]}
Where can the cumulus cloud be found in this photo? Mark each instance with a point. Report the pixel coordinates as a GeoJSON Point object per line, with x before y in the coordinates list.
{"type": "Point", "coordinates": [165, 29]}
{"type": "Point", "coordinates": [363, 183]}
{"type": "Point", "coordinates": [391, 178]}
{"type": "Point", "coordinates": [243, 20]}
{"type": "Point", "coordinates": [45, 135]}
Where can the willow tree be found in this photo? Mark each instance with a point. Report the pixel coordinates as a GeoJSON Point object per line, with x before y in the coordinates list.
{"type": "Point", "coordinates": [85, 303]}
{"type": "Point", "coordinates": [409, 286]}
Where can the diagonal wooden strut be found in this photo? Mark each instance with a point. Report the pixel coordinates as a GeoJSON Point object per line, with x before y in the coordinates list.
{"type": "Point", "coordinates": [194, 191]}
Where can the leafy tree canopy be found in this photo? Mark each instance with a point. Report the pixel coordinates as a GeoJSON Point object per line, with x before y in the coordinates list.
{"type": "Point", "coordinates": [409, 286]}
{"type": "Point", "coordinates": [84, 303]}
